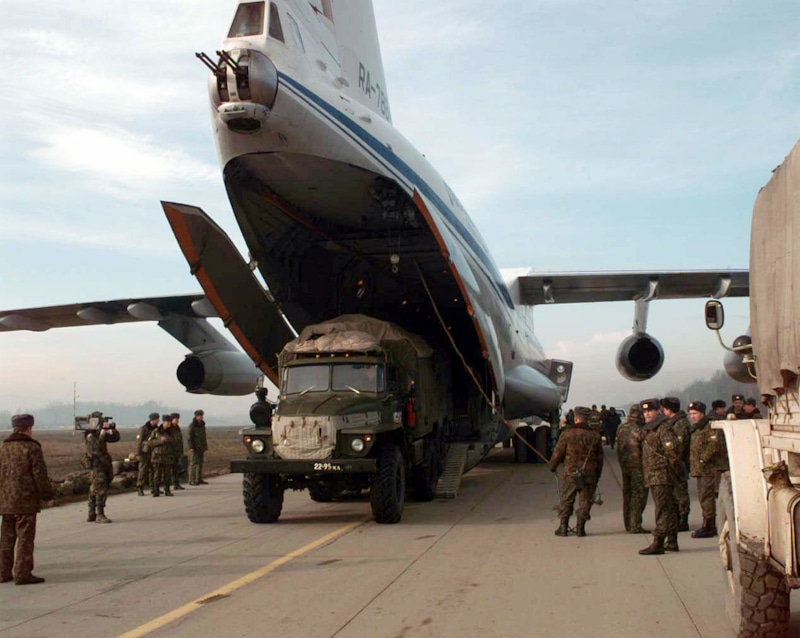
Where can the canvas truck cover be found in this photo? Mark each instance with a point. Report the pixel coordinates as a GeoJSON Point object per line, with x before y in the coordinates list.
{"type": "Point", "coordinates": [774, 268]}
{"type": "Point", "coordinates": [358, 333]}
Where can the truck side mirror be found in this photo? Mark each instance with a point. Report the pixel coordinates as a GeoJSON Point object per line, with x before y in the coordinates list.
{"type": "Point", "coordinates": [715, 315]}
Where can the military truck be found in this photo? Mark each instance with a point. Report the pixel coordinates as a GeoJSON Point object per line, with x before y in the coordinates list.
{"type": "Point", "coordinates": [758, 511]}
{"type": "Point", "coordinates": [363, 405]}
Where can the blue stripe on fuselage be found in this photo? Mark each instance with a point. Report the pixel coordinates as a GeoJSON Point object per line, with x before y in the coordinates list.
{"type": "Point", "coordinates": [394, 164]}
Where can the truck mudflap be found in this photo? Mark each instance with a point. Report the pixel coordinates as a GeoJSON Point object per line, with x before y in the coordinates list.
{"type": "Point", "coordinates": [304, 468]}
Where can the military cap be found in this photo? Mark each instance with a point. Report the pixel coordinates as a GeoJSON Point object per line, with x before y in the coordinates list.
{"type": "Point", "coordinates": [737, 397]}
{"type": "Point", "coordinates": [583, 412]}
{"type": "Point", "coordinates": [649, 404]}
{"type": "Point", "coordinates": [199, 413]}
{"type": "Point", "coordinates": [174, 415]}
{"type": "Point", "coordinates": [22, 421]}
{"type": "Point", "coordinates": [671, 403]}
{"type": "Point", "coordinates": [166, 417]}
{"type": "Point", "coordinates": [697, 405]}
{"type": "Point", "coordinates": [635, 412]}
{"type": "Point", "coordinates": [719, 403]}
{"type": "Point", "coordinates": [153, 415]}
{"type": "Point", "coordinates": [751, 401]}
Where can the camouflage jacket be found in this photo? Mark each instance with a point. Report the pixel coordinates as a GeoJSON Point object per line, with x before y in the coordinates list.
{"type": "Point", "coordinates": [163, 451]}
{"type": "Point", "coordinates": [197, 436]}
{"type": "Point", "coordinates": [578, 448]}
{"type": "Point", "coordinates": [142, 445]}
{"type": "Point", "coordinates": [96, 448]}
{"type": "Point", "coordinates": [660, 459]}
{"type": "Point", "coordinates": [709, 451]}
{"type": "Point", "coordinates": [24, 483]}
{"type": "Point", "coordinates": [595, 421]}
{"type": "Point", "coordinates": [629, 445]}
{"type": "Point", "coordinates": [177, 441]}
{"type": "Point", "coordinates": [683, 431]}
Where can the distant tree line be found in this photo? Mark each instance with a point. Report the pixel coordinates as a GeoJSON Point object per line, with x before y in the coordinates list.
{"type": "Point", "coordinates": [60, 415]}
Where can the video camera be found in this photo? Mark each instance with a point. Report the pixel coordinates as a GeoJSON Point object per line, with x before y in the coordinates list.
{"type": "Point", "coordinates": [94, 422]}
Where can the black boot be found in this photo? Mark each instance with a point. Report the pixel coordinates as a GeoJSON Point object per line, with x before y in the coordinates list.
{"type": "Point", "coordinates": [92, 515]}
{"type": "Point", "coordinates": [708, 530]}
{"type": "Point", "coordinates": [167, 492]}
{"type": "Point", "coordinates": [563, 529]}
{"type": "Point", "coordinates": [671, 544]}
{"type": "Point", "coordinates": [656, 547]}
{"type": "Point", "coordinates": [141, 490]}
{"type": "Point", "coordinates": [156, 491]}
{"type": "Point", "coordinates": [683, 525]}
{"type": "Point", "coordinates": [581, 527]}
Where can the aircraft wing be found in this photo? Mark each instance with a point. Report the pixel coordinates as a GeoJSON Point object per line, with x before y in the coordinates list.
{"type": "Point", "coordinates": [585, 287]}
{"type": "Point", "coordinates": [106, 312]}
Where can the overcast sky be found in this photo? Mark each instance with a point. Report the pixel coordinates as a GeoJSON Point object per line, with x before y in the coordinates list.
{"type": "Point", "coordinates": [580, 135]}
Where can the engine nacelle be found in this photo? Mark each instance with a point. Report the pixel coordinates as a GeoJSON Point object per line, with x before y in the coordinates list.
{"type": "Point", "coordinates": [225, 373]}
{"type": "Point", "coordinates": [639, 357]}
{"type": "Point", "coordinates": [732, 361]}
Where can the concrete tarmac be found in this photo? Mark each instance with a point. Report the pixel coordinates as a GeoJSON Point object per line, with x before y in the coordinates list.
{"type": "Point", "coordinates": [484, 564]}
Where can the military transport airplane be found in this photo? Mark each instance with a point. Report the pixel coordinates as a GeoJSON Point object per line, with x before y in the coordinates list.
{"type": "Point", "coordinates": [341, 214]}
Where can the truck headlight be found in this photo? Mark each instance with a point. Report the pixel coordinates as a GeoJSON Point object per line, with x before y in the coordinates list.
{"type": "Point", "coordinates": [257, 445]}
{"type": "Point", "coordinates": [357, 445]}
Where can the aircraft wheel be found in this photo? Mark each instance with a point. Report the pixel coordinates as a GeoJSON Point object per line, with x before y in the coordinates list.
{"type": "Point", "coordinates": [520, 449]}
{"type": "Point", "coordinates": [263, 497]}
{"type": "Point", "coordinates": [388, 493]}
{"type": "Point", "coordinates": [757, 599]}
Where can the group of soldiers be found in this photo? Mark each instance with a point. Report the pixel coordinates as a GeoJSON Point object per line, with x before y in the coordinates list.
{"type": "Point", "coordinates": [159, 449]}
{"type": "Point", "coordinates": [658, 447]}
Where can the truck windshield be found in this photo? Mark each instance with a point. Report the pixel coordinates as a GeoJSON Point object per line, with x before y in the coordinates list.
{"type": "Point", "coordinates": [358, 377]}
{"type": "Point", "coordinates": [302, 379]}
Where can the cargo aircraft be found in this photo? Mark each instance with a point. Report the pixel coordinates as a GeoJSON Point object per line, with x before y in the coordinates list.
{"type": "Point", "coordinates": [342, 215]}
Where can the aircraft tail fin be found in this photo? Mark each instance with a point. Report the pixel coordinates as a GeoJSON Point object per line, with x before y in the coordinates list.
{"type": "Point", "coordinates": [360, 52]}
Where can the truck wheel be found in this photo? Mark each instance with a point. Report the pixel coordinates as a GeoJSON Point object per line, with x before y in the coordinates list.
{"type": "Point", "coordinates": [322, 493]}
{"type": "Point", "coordinates": [388, 493]}
{"type": "Point", "coordinates": [425, 476]}
{"type": "Point", "coordinates": [263, 497]}
{"type": "Point", "coordinates": [757, 599]}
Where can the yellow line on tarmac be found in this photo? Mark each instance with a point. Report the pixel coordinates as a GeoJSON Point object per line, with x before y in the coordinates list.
{"type": "Point", "coordinates": [227, 590]}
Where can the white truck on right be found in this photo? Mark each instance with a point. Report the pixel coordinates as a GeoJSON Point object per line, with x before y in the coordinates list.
{"type": "Point", "coordinates": [758, 510]}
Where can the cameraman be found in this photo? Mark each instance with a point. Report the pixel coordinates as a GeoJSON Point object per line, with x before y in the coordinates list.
{"type": "Point", "coordinates": [101, 467]}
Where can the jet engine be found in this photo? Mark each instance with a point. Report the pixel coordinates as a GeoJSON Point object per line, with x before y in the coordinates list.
{"type": "Point", "coordinates": [222, 373]}
{"type": "Point", "coordinates": [639, 357]}
{"type": "Point", "coordinates": [734, 365]}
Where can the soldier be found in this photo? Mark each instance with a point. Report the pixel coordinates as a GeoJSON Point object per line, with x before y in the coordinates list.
{"type": "Point", "coordinates": [737, 409]}
{"type": "Point", "coordinates": [709, 461]}
{"type": "Point", "coordinates": [143, 451]}
{"type": "Point", "coordinates": [101, 466]}
{"type": "Point", "coordinates": [718, 409]}
{"type": "Point", "coordinates": [629, 454]}
{"type": "Point", "coordinates": [198, 446]}
{"type": "Point", "coordinates": [594, 420]}
{"type": "Point", "coordinates": [162, 450]}
{"type": "Point", "coordinates": [610, 425]}
{"type": "Point", "coordinates": [177, 440]}
{"type": "Point", "coordinates": [671, 406]}
{"type": "Point", "coordinates": [751, 410]}
{"type": "Point", "coordinates": [23, 488]}
{"type": "Point", "coordinates": [581, 451]}
{"type": "Point", "coordinates": [659, 458]}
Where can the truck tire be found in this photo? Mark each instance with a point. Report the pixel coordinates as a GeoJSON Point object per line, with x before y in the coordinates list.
{"type": "Point", "coordinates": [388, 494]}
{"type": "Point", "coordinates": [425, 476]}
{"type": "Point", "coordinates": [263, 497]}
{"type": "Point", "coordinates": [321, 493]}
{"type": "Point", "coordinates": [757, 599]}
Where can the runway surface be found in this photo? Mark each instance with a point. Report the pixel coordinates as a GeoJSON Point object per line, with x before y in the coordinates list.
{"type": "Point", "coordinates": [484, 564]}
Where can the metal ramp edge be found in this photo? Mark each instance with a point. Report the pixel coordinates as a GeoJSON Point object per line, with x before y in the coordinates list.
{"type": "Point", "coordinates": [454, 463]}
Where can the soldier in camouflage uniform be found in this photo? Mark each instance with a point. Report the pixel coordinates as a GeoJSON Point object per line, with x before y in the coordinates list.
{"type": "Point", "coordinates": [595, 420]}
{"type": "Point", "coordinates": [145, 476]}
{"type": "Point", "coordinates": [198, 446]}
{"type": "Point", "coordinates": [629, 454]}
{"type": "Point", "coordinates": [580, 449]}
{"type": "Point", "coordinates": [709, 460]}
{"type": "Point", "coordinates": [177, 440]}
{"type": "Point", "coordinates": [737, 409]}
{"type": "Point", "coordinates": [23, 488]}
{"type": "Point", "coordinates": [751, 410]}
{"type": "Point", "coordinates": [163, 452]}
{"type": "Point", "coordinates": [679, 422]}
{"type": "Point", "coordinates": [660, 462]}
{"type": "Point", "coordinates": [102, 469]}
